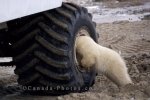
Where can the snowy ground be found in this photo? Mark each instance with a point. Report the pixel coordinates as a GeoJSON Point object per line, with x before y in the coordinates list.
{"type": "Point", "coordinates": [108, 15]}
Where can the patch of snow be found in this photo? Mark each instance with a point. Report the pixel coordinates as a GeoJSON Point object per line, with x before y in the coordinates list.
{"type": "Point", "coordinates": [109, 15]}
{"type": "Point", "coordinates": [5, 59]}
{"type": "Point", "coordinates": [93, 9]}
{"type": "Point", "coordinates": [79, 2]}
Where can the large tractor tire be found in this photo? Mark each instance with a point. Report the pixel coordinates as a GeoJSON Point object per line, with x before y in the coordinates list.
{"type": "Point", "coordinates": [44, 50]}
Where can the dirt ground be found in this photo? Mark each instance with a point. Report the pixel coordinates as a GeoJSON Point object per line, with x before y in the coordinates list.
{"type": "Point", "coordinates": [131, 40]}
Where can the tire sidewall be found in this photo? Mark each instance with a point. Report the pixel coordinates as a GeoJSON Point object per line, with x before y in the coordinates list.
{"type": "Point", "coordinates": [89, 76]}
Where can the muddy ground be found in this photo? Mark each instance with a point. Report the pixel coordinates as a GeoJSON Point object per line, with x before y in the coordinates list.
{"type": "Point", "coordinates": [130, 39]}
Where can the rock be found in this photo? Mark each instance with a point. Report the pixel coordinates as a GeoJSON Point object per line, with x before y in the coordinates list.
{"type": "Point", "coordinates": [60, 98]}
{"type": "Point", "coordinates": [74, 95]}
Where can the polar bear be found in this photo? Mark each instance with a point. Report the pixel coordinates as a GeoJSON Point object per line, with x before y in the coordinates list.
{"type": "Point", "coordinates": [106, 60]}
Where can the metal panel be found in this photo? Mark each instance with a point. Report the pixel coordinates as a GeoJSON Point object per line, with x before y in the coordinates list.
{"type": "Point", "coordinates": [12, 9]}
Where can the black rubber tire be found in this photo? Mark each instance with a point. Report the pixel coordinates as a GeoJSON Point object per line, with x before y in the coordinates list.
{"type": "Point", "coordinates": [5, 47]}
{"type": "Point", "coordinates": [44, 50]}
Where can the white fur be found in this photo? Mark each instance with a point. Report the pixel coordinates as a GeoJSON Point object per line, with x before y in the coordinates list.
{"type": "Point", "coordinates": [106, 60]}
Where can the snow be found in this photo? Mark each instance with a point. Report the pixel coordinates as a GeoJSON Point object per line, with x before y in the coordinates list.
{"type": "Point", "coordinates": [109, 15]}
{"type": "Point", "coordinates": [5, 59]}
